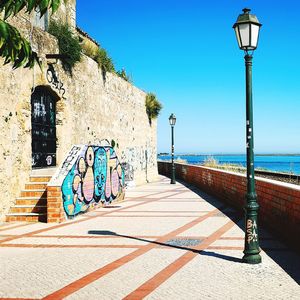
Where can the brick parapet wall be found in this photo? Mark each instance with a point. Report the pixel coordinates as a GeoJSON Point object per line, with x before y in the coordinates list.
{"type": "Point", "coordinates": [279, 202]}
{"type": "Point", "coordinates": [55, 210]}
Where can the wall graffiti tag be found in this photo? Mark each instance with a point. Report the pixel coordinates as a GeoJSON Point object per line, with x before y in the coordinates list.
{"type": "Point", "coordinates": [251, 228]}
{"type": "Point", "coordinates": [129, 172]}
{"type": "Point", "coordinates": [53, 79]}
{"type": "Point", "coordinates": [97, 176]}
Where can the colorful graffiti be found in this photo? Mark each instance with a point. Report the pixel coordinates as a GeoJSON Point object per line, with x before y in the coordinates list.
{"type": "Point", "coordinates": [97, 176]}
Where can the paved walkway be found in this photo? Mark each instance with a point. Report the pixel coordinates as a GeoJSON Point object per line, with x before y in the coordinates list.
{"type": "Point", "coordinates": [164, 242]}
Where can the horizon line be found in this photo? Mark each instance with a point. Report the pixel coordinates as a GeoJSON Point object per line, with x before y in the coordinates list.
{"type": "Point", "coordinates": [229, 153]}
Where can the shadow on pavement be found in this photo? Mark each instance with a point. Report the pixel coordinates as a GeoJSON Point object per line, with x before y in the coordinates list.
{"type": "Point", "coordinates": [286, 258]}
{"type": "Point", "coordinates": [276, 249]}
{"type": "Point", "coordinates": [221, 256]}
{"type": "Point", "coordinates": [202, 252]}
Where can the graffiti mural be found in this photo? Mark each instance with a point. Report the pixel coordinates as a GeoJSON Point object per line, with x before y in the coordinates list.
{"type": "Point", "coordinates": [129, 172]}
{"type": "Point", "coordinates": [96, 177]}
{"type": "Point", "coordinates": [137, 159]}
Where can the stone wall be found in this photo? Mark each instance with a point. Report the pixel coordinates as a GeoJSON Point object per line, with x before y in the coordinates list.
{"type": "Point", "coordinates": [90, 107]}
{"type": "Point", "coordinates": [279, 202]}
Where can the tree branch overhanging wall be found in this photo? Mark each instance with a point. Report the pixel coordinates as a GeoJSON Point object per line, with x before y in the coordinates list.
{"type": "Point", "coordinates": [14, 48]}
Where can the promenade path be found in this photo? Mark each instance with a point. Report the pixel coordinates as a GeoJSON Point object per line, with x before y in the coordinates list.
{"type": "Point", "coordinates": [163, 242]}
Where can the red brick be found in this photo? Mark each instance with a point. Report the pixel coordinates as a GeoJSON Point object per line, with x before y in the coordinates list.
{"type": "Point", "coordinates": [54, 193]}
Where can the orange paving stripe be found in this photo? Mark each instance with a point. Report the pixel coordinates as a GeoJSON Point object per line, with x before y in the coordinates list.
{"type": "Point", "coordinates": [5, 224]}
{"type": "Point", "coordinates": [152, 216]}
{"type": "Point", "coordinates": [66, 246]}
{"type": "Point", "coordinates": [18, 299]}
{"type": "Point", "coordinates": [166, 211]}
{"type": "Point", "coordinates": [232, 238]}
{"type": "Point", "coordinates": [70, 223]}
{"type": "Point", "coordinates": [7, 235]}
{"type": "Point", "coordinates": [82, 282]}
{"type": "Point", "coordinates": [13, 227]}
{"type": "Point", "coordinates": [150, 285]}
{"type": "Point", "coordinates": [92, 236]}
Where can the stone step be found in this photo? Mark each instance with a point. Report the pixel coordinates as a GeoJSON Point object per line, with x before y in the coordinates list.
{"type": "Point", "coordinates": [34, 193]}
{"type": "Point", "coordinates": [31, 201]}
{"type": "Point", "coordinates": [26, 217]}
{"type": "Point", "coordinates": [36, 185]}
{"type": "Point", "coordinates": [28, 209]}
{"type": "Point", "coordinates": [36, 178]}
{"type": "Point", "coordinates": [43, 171]}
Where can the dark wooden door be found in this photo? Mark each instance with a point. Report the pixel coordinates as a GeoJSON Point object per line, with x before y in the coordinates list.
{"type": "Point", "coordinates": [43, 128]}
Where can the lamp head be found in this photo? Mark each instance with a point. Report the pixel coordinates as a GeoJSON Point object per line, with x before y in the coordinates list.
{"type": "Point", "coordinates": [172, 119]}
{"type": "Point", "coordinates": [247, 29]}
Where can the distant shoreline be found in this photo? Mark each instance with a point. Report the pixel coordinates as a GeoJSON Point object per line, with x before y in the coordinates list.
{"type": "Point", "coordinates": [274, 154]}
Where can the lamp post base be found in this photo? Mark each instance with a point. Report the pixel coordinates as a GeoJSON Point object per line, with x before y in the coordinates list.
{"type": "Point", "coordinates": [251, 250]}
{"type": "Point", "coordinates": [252, 258]}
{"type": "Point", "coordinates": [173, 180]}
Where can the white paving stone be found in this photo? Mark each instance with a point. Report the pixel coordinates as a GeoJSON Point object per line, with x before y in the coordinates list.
{"type": "Point", "coordinates": [214, 276]}
{"type": "Point", "coordinates": [171, 206]}
{"type": "Point", "coordinates": [81, 241]}
{"type": "Point", "coordinates": [206, 227]}
{"type": "Point", "coordinates": [27, 272]}
{"type": "Point", "coordinates": [137, 226]}
{"type": "Point", "coordinates": [130, 276]}
{"type": "Point", "coordinates": [31, 273]}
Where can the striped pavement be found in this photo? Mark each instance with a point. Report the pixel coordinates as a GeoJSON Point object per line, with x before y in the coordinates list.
{"type": "Point", "coordinates": [163, 242]}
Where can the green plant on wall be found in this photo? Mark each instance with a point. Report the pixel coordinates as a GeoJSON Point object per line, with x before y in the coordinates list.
{"type": "Point", "coordinates": [13, 47]}
{"type": "Point", "coordinates": [89, 48]}
{"type": "Point", "coordinates": [104, 61]}
{"type": "Point", "coordinates": [68, 44]}
{"type": "Point", "coordinates": [153, 106]}
{"type": "Point", "coordinates": [101, 56]}
{"type": "Point", "coordinates": [124, 75]}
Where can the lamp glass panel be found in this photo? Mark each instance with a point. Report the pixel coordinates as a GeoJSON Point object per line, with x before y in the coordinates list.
{"type": "Point", "coordinates": [236, 29]}
{"type": "Point", "coordinates": [245, 35]}
{"type": "Point", "coordinates": [172, 121]}
{"type": "Point", "coordinates": [254, 35]}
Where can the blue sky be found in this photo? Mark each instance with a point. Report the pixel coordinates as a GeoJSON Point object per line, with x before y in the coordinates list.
{"type": "Point", "coordinates": [186, 53]}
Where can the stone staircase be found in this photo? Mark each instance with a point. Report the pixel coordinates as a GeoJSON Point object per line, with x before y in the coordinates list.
{"type": "Point", "coordinates": [31, 206]}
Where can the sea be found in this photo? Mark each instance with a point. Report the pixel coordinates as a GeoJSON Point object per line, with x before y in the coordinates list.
{"type": "Point", "coordinates": [273, 162]}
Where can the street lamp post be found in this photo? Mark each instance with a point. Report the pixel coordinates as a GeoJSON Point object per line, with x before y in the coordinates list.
{"type": "Point", "coordinates": [172, 120]}
{"type": "Point", "coordinates": [247, 30]}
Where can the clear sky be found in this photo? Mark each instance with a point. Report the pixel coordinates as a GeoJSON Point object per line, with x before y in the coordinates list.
{"type": "Point", "coordinates": [185, 52]}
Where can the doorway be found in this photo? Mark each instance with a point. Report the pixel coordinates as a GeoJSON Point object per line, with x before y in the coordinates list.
{"type": "Point", "coordinates": [43, 121]}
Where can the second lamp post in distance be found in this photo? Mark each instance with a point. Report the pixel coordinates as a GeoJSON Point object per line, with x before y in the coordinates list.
{"type": "Point", "coordinates": [172, 120]}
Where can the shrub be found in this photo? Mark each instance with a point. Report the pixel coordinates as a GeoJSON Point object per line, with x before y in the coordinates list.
{"type": "Point", "coordinates": [124, 75]}
{"type": "Point", "coordinates": [89, 49]}
{"type": "Point", "coordinates": [153, 106]}
{"type": "Point", "coordinates": [180, 160]}
{"type": "Point", "coordinates": [104, 61]}
{"type": "Point", "coordinates": [210, 161]}
{"type": "Point", "coordinates": [68, 44]}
